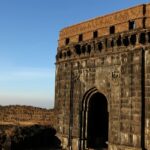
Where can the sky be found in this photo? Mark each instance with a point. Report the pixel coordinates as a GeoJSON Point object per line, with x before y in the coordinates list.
{"type": "Point", "coordinates": [29, 31]}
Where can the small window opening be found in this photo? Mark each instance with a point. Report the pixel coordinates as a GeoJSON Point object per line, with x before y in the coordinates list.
{"type": "Point", "coordinates": [106, 43]}
{"type": "Point", "coordinates": [119, 42]}
{"type": "Point", "coordinates": [78, 49]}
{"type": "Point", "coordinates": [67, 41]}
{"type": "Point", "coordinates": [142, 39]}
{"type": "Point", "coordinates": [95, 34]}
{"type": "Point", "coordinates": [65, 54]}
{"type": "Point", "coordinates": [68, 53]}
{"type": "Point", "coordinates": [149, 37]}
{"type": "Point", "coordinates": [112, 43]}
{"type": "Point", "coordinates": [144, 22]}
{"type": "Point", "coordinates": [126, 41]}
{"type": "Point", "coordinates": [80, 37]}
{"type": "Point", "coordinates": [133, 39]}
{"type": "Point", "coordinates": [100, 46]}
{"type": "Point", "coordinates": [131, 25]}
{"type": "Point", "coordinates": [83, 49]}
{"type": "Point", "coordinates": [144, 9]}
{"type": "Point", "coordinates": [89, 48]}
{"type": "Point", "coordinates": [112, 30]}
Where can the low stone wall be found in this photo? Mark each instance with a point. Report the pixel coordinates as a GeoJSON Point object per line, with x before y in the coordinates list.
{"type": "Point", "coordinates": [26, 115]}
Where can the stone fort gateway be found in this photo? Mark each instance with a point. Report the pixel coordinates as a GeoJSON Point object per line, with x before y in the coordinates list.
{"type": "Point", "coordinates": [102, 97]}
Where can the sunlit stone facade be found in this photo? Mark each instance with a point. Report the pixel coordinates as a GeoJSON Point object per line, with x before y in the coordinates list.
{"type": "Point", "coordinates": [102, 97]}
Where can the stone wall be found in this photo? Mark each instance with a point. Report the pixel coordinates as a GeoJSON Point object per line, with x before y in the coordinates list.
{"type": "Point", "coordinates": [102, 24]}
{"type": "Point", "coordinates": [113, 64]}
{"type": "Point", "coordinates": [147, 98]}
{"type": "Point", "coordinates": [26, 115]}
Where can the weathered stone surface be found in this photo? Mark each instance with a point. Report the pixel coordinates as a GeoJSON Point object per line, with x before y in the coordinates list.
{"type": "Point", "coordinates": [108, 66]}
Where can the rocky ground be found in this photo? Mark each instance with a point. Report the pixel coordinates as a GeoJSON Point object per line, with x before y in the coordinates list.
{"type": "Point", "coordinates": [34, 137]}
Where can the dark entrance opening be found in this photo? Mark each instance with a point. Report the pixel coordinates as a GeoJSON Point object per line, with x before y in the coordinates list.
{"type": "Point", "coordinates": [97, 123]}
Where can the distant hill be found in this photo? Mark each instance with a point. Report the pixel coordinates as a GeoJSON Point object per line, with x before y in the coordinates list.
{"type": "Point", "coordinates": [26, 115]}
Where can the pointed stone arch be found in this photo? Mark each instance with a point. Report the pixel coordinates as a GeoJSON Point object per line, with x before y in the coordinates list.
{"type": "Point", "coordinates": [92, 132]}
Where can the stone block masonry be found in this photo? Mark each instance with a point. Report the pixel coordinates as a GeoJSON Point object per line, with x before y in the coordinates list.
{"type": "Point", "coordinates": [102, 98]}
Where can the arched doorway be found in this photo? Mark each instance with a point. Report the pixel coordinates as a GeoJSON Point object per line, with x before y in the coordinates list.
{"type": "Point", "coordinates": [97, 122]}
{"type": "Point", "coordinates": [94, 120]}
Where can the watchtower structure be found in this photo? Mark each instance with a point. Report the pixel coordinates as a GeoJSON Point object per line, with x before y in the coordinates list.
{"type": "Point", "coordinates": [102, 96]}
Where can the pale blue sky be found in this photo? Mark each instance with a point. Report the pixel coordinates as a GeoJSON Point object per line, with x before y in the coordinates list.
{"type": "Point", "coordinates": [29, 32]}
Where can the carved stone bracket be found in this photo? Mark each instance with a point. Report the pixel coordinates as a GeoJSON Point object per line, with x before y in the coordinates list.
{"type": "Point", "coordinates": [115, 75]}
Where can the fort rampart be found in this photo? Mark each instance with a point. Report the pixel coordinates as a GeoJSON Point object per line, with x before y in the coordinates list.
{"type": "Point", "coordinates": [102, 97]}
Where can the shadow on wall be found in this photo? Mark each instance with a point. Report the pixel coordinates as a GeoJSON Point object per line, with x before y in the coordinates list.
{"type": "Point", "coordinates": [32, 138]}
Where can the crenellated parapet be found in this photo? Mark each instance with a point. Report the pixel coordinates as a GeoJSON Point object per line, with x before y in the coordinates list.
{"type": "Point", "coordinates": [122, 21]}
